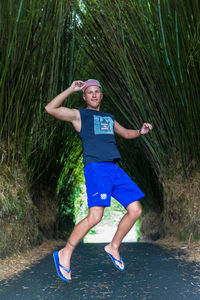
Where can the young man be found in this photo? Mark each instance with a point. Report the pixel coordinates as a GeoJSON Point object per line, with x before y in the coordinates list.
{"type": "Point", "coordinates": [103, 176]}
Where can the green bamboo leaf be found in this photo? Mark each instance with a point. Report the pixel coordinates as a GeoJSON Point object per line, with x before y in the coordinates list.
{"type": "Point", "coordinates": [15, 28]}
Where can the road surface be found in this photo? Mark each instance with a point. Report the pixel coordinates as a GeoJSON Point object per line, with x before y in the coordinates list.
{"type": "Point", "coordinates": [151, 273]}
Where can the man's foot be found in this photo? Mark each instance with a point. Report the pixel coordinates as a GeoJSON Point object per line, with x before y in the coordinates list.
{"type": "Point", "coordinates": [114, 254]}
{"type": "Point", "coordinates": [65, 262]}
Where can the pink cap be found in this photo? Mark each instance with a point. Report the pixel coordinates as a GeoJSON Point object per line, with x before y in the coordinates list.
{"type": "Point", "coordinates": [91, 82]}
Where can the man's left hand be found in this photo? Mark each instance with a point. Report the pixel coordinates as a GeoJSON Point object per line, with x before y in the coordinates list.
{"type": "Point", "coordinates": [146, 127]}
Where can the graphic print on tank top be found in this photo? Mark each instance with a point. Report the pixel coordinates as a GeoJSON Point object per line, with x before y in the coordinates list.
{"type": "Point", "coordinates": [103, 125]}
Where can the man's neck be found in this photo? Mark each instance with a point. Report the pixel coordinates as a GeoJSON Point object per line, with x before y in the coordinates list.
{"type": "Point", "coordinates": [93, 108]}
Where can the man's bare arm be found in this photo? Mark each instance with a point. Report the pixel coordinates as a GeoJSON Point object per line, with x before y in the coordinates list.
{"type": "Point", "coordinates": [131, 133]}
{"type": "Point", "coordinates": [55, 109]}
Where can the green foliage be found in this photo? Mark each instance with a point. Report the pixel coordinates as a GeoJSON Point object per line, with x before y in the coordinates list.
{"type": "Point", "coordinates": [146, 53]}
{"type": "Point", "coordinates": [137, 224]}
{"type": "Point", "coordinates": [36, 56]}
{"type": "Point", "coordinates": [37, 43]}
{"type": "Point", "coordinates": [92, 231]}
{"type": "Point", "coordinates": [69, 188]}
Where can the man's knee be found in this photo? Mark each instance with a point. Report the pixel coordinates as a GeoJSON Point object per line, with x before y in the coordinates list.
{"type": "Point", "coordinates": [94, 218]}
{"type": "Point", "coordinates": [135, 210]}
{"type": "Point", "coordinates": [138, 211]}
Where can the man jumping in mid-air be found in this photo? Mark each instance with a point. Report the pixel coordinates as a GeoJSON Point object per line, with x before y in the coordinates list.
{"type": "Point", "coordinates": [103, 176]}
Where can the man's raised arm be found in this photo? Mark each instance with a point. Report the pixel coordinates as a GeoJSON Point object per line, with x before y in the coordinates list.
{"type": "Point", "coordinates": [55, 109]}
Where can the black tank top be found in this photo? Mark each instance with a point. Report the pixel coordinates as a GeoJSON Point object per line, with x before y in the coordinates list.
{"type": "Point", "coordinates": [97, 136]}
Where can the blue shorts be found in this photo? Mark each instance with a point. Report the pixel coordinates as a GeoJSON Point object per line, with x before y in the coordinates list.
{"type": "Point", "coordinates": [106, 179]}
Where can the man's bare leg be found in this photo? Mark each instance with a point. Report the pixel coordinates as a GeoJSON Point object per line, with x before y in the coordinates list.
{"type": "Point", "coordinates": [94, 217]}
{"type": "Point", "coordinates": [133, 213]}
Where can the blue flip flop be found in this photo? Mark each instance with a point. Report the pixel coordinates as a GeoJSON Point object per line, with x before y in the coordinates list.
{"type": "Point", "coordinates": [58, 265]}
{"type": "Point", "coordinates": [114, 261]}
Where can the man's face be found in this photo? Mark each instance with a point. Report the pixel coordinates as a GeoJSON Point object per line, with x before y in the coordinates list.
{"type": "Point", "coordinates": [93, 96]}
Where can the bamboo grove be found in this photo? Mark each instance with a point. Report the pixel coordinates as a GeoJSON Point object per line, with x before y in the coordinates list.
{"type": "Point", "coordinates": [145, 53]}
{"type": "Point", "coordinates": [36, 63]}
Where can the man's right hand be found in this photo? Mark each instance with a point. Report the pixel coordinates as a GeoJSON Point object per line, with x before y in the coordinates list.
{"type": "Point", "coordinates": [77, 85]}
{"type": "Point", "coordinates": [55, 109]}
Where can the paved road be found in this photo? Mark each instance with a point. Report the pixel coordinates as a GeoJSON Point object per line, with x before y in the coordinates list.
{"type": "Point", "coordinates": [151, 273]}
